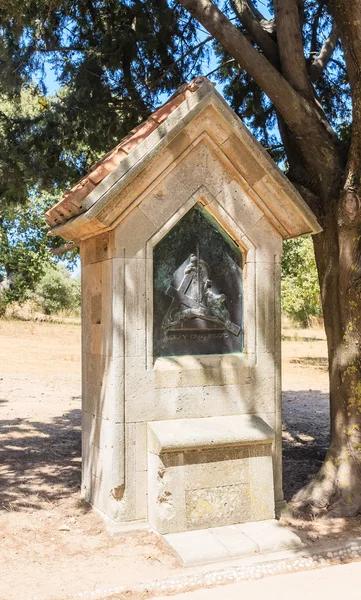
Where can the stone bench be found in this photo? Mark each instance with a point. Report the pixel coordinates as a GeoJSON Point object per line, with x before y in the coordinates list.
{"type": "Point", "coordinates": [209, 472]}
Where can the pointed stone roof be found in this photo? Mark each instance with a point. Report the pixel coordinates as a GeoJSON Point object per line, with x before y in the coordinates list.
{"type": "Point", "coordinates": [113, 185]}
{"type": "Point", "coordinates": [72, 202]}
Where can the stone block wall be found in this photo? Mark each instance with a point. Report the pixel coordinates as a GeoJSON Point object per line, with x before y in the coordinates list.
{"type": "Point", "coordinates": [124, 387]}
{"type": "Point", "coordinates": [209, 473]}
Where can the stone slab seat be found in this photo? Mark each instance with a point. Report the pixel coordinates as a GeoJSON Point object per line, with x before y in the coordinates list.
{"type": "Point", "coordinates": [209, 472]}
{"type": "Point", "coordinates": [209, 432]}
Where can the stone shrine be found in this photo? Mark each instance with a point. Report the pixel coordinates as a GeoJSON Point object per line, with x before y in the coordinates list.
{"type": "Point", "coordinates": [180, 230]}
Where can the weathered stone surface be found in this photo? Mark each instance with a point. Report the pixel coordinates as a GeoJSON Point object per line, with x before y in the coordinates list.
{"type": "Point", "coordinates": [271, 536]}
{"type": "Point", "coordinates": [236, 200]}
{"type": "Point", "coordinates": [208, 121]}
{"type": "Point", "coordinates": [189, 434]}
{"type": "Point", "coordinates": [128, 245]}
{"type": "Point", "coordinates": [197, 166]}
{"type": "Point", "coordinates": [141, 498]}
{"type": "Point", "coordinates": [186, 474]}
{"type": "Point", "coordinates": [97, 249]}
{"type": "Point", "coordinates": [96, 339]}
{"type": "Point", "coordinates": [135, 308]}
{"type": "Point", "coordinates": [267, 240]}
{"type": "Point", "coordinates": [242, 159]}
{"type": "Point", "coordinates": [179, 402]}
{"type": "Point", "coordinates": [196, 547]}
{"type": "Point", "coordinates": [166, 506]}
{"type": "Point", "coordinates": [195, 486]}
{"type": "Point", "coordinates": [96, 309]}
{"type": "Point", "coordinates": [192, 371]}
{"type": "Point", "coordinates": [227, 400]}
{"type": "Point", "coordinates": [261, 486]}
{"type": "Point", "coordinates": [234, 540]}
{"type": "Point", "coordinates": [216, 506]}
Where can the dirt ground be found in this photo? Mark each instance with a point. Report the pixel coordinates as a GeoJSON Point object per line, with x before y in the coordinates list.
{"type": "Point", "coordinates": [305, 410]}
{"type": "Point", "coordinates": [52, 545]}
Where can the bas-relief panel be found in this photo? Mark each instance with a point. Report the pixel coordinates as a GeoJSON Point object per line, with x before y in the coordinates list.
{"type": "Point", "coordinates": [217, 506]}
{"type": "Point", "coordinates": [198, 292]}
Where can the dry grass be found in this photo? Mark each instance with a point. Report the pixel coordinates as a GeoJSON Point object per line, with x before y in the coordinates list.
{"type": "Point", "coordinates": [37, 347]}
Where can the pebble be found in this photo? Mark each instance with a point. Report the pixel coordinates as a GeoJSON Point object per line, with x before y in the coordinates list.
{"type": "Point", "coordinates": [235, 574]}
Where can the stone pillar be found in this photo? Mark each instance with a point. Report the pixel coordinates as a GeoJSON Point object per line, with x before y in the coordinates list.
{"type": "Point", "coordinates": [103, 442]}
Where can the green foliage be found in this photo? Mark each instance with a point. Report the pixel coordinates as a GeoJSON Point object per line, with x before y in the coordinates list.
{"type": "Point", "coordinates": [111, 60]}
{"type": "Point", "coordinates": [57, 291]}
{"type": "Point", "coordinates": [300, 287]}
{"type": "Point", "coordinates": [25, 247]}
{"type": "Point", "coordinates": [3, 305]}
{"type": "Point", "coordinates": [254, 107]}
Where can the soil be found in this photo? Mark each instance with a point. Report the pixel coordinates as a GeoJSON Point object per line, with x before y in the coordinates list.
{"type": "Point", "coordinates": [305, 408]}
{"type": "Point", "coordinates": [52, 544]}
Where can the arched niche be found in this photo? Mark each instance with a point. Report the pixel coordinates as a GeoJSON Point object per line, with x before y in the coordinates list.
{"type": "Point", "coordinates": [198, 289]}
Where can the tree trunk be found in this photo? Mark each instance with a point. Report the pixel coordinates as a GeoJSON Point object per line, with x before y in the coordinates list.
{"type": "Point", "coordinates": [336, 489]}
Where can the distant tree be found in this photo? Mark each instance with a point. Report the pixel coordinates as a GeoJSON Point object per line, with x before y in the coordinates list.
{"type": "Point", "coordinates": [25, 248]}
{"type": "Point", "coordinates": [300, 288]}
{"type": "Point", "coordinates": [57, 291]}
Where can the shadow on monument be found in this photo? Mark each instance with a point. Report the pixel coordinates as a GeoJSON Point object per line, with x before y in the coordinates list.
{"type": "Point", "coordinates": [40, 461]}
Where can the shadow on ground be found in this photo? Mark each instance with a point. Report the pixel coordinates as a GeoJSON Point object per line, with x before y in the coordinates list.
{"type": "Point", "coordinates": [305, 434]}
{"type": "Point", "coordinates": [317, 362]}
{"type": "Point", "coordinates": [40, 461]}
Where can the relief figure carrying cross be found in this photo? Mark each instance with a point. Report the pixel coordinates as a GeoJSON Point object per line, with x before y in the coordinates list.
{"type": "Point", "coordinates": [194, 300]}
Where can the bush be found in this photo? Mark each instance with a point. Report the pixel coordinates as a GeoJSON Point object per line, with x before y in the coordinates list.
{"type": "Point", "coordinates": [3, 305]}
{"type": "Point", "coordinates": [301, 298]}
{"type": "Point", "coordinates": [57, 291]}
{"type": "Point", "coordinates": [25, 247]}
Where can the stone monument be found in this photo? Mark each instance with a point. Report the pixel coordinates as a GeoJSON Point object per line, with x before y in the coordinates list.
{"type": "Point", "coordinates": [180, 230]}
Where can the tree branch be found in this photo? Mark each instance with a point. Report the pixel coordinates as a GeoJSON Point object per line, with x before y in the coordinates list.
{"type": "Point", "coordinates": [301, 11]}
{"type": "Point", "coordinates": [61, 49]}
{"type": "Point", "coordinates": [347, 17]}
{"type": "Point", "coordinates": [65, 248]}
{"type": "Point", "coordinates": [227, 62]}
{"type": "Point", "coordinates": [267, 25]}
{"type": "Point", "coordinates": [190, 51]}
{"type": "Point", "coordinates": [310, 198]}
{"type": "Point", "coordinates": [286, 100]}
{"type": "Point", "coordinates": [247, 17]}
{"type": "Point", "coordinates": [266, 76]}
{"type": "Point", "coordinates": [290, 43]}
{"type": "Point", "coordinates": [324, 57]}
{"type": "Point", "coordinates": [256, 12]}
{"type": "Point", "coordinates": [315, 25]}
{"type": "Point", "coordinates": [340, 65]}
{"type": "Point", "coordinates": [320, 150]}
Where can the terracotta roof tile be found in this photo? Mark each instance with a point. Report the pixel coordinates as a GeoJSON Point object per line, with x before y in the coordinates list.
{"type": "Point", "coordinates": [163, 112]}
{"type": "Point", "coordinates": [72, 203]}
{"type": "Point", "coordinates": [142, 132]}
